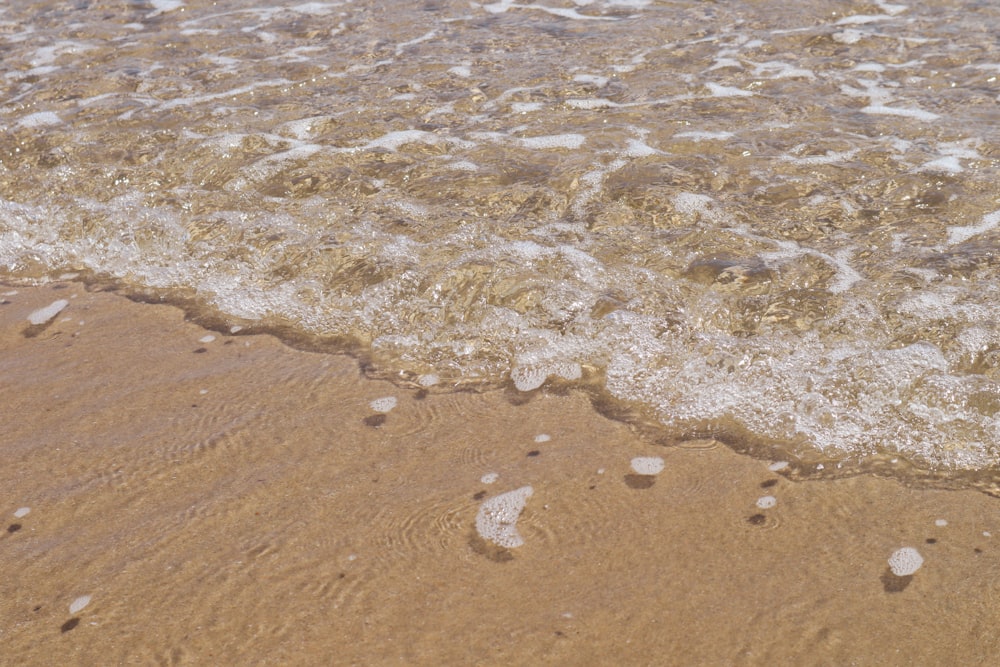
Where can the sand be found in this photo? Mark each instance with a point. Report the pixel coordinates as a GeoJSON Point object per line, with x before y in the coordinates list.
{"type": "Point", "coordinates": [237, 502]}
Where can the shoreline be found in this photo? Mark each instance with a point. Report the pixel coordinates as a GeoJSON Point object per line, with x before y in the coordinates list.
{"type": "Point", "coordinates": [237, 501]}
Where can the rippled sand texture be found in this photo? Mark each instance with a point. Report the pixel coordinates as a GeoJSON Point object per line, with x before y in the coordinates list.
{"type": "Point", "coordinates": [171, 498]}
{"type": "Point", "coordinates": [767, 225]}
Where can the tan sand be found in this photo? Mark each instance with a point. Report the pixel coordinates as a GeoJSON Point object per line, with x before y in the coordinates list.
{"type": "Point", "coordinates": [236, 502]}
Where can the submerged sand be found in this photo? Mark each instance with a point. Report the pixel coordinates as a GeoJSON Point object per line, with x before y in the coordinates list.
{"type": "Point", "coordinates": [235, 501]}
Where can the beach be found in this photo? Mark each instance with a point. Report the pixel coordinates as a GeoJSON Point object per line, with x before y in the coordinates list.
{"type": "Point", "coordinates": [178, 495]}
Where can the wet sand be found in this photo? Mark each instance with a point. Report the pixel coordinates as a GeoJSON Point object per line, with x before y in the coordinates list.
{"type": "Point", "coordinates": [236, 501]}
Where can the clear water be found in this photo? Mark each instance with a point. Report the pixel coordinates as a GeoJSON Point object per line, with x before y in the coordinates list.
{"type": "Point", "coordinates": [773, 223]}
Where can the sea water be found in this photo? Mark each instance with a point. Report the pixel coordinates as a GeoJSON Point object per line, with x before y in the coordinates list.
{"type": "Point", "coordinates": [772, 223]}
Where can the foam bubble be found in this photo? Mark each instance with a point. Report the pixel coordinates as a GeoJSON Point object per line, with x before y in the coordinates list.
{"type": "Point", "coordinates": [164, 6]}
{"type": "Point", "coordinates": [22, 512]}
{"type": "Point", "coordinates": [489, 478]}
{"type": "Point", "coordinates": [919, 114]}
{"type": "Point", "coordinates": [428, 380]}
{"type": "Point", "coordinates": [960, 234]}
{"type": "Point", "coordinates": [206, 339]}
{"type": "Point", "coordinates": [40, 119]}
{"type": "Point", "coordinates": [941, 523]}
{"type": "Point", "coordinates": [647, 465]}
{"type": "Point", "coordinates": [727, 91]}
{"type": "Point", "coordinates": [543, 437]}
{"type": "Point", "coordinates": [79, 603]}
{"type": "Point", "coordinates": [43, 315]}
{"type": "Point", "coordinates": [527, 378]}
{"type": "Point", "coordinates": [904, 562]}
{"type": "Point", "coordinates": [497, 518]}
{"type": "Point", "coordinates": [571, 141]}
{"type": "Point", "coordinates": [766, 502]}
{"type": "Point", "coordinates": [704, 136]}
{"type": "Point", "coordinates": [384, 404]}
{"type": "Point", "coordinates": [777, 465]}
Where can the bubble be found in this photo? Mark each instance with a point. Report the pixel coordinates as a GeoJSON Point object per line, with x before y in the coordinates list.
{"type": "Point", "coordinates": [647, 465]}
{"type": "Point", "coordinates": [384, 404]}
{"type": "Point", "coordinates": [489, 478]}
{"type": "Point", "coordinates": [79, 603]}
{"type": "Point", "coordinates": [22, 512]}
{"type": "Point", "coordinates": [43, 315]}
{"type": "Point", "coordinates": [777, 465]}
{"type": "Point", "coordinates": [766, 502]}
{"type": "Point", "coordinates": [941, 522]}
{"type": "Point", "coordinates": [497, 518]}
{"type": "Point", "coordinates": [208, 338]}
{"type": "Point", "coordinates": [904, 562]}
{"type": "Point", "coordinates": [527, 379]}
{"type": "Point", "coordinates": [428, 380]}
{"type": "Point", "coordinates": [543, 437]}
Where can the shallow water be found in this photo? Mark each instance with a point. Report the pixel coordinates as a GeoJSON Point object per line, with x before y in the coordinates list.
{"type": "Point", "coordinates": [769, 226]}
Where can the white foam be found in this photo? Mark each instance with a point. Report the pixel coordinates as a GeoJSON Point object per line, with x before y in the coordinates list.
{"type": "Point", "coordinates": [599, 81]}
{"type": "Point", "coordinates": [526, 107]}
{"type": "Point", "coordinates": [528, 378]}
{"type": "Point", "coordinates": [316, 8]}
{"type": "Point", "coordinates": [22, 512]}
{"type": "Point", "coordinates": [566, 13]}
{"type": "Point", "coordinates": [207, 338]}
{"type": "Point", "coordinates": [959, 234]}
{"type": "Point", "coordinates": [394, 140]}
{"type": "Point", "coordinates": [890, 8]}
{"type": "Point", "coordinates": [384, 404]}
{"type": "Point", "coordinates": [777, 465]}
{"type": "Point", "coordinates": [571, 141]}
{"type": "Point", "coordinates": [592, 103]}
{"type": "Point", "coordinates": [946, 165]}
{"type": "Point", "coordinates": [647, 465]}
{"type": "Point", "coordinates": [882, 110]}
{"type": "Point", "coordinates": [766, 502]}
{"type": "Point", "coordinates": [40, 119]}
{"type": "Point", "coordinates": [43, 315]}
{"type": "Point", "coordinates": [532, 376]}
{"type": "Point", "coordinates": [862, 19]}
{"type": "Point", "coordinates": [164, 6]}
{"type": "Point", "coordinates": [727, 91]}
{"type": "Point", "coordinates": [848, 36]}
{"type": "Point", "coordinates": [941, 523]}
{"type": "Point", "coordinates": [489, 478]}
{"type": "Point", "coordinates": [704, 136]}
{"type": "Point", "coordinates": [904, 562]}
{"type": "Point", "coordinates": [79, 603]}
{"type": "Point", "coordinates": [461, 71]}
{"type": "Point", "coordinates": [497, 517]}
{"type": "Point", "coordinates": [428, 380]}
{"type": "Point", "coordinates": [543, 437]}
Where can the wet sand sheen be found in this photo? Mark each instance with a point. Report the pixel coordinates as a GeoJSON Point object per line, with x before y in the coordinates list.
{"type": "Point", "coordinates": [235, 501]}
